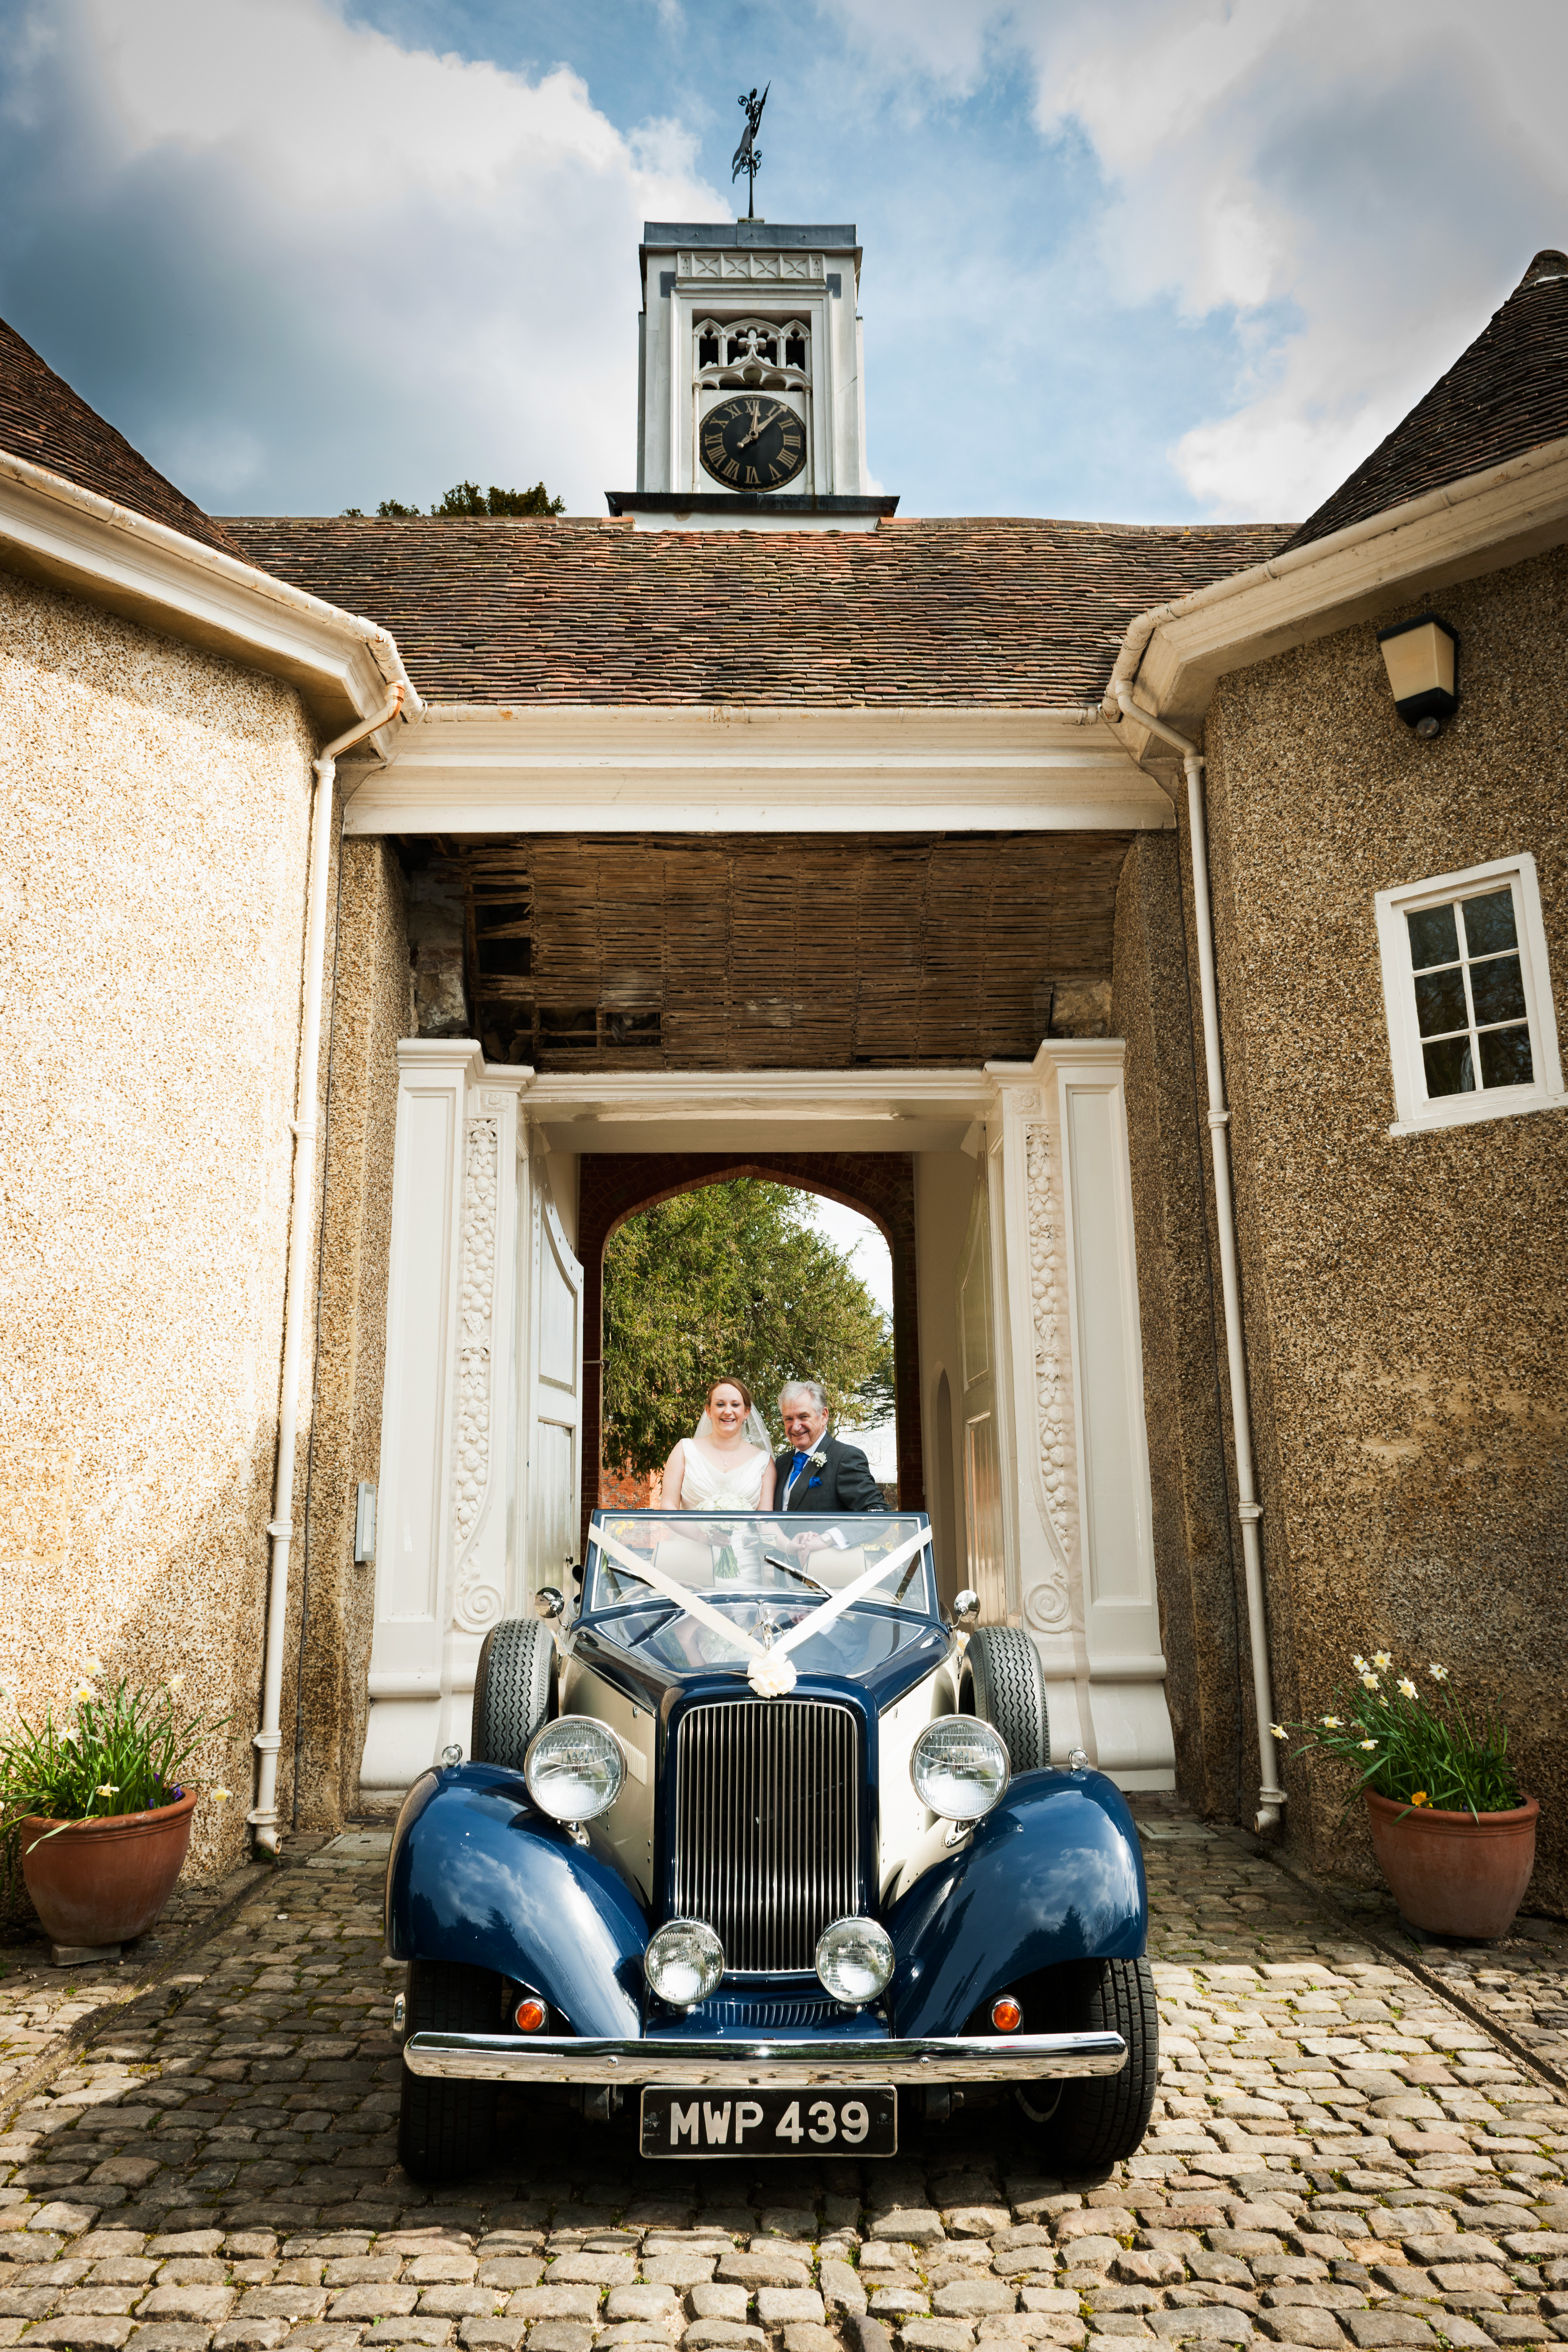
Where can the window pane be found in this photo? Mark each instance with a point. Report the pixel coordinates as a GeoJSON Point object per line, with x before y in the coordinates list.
{"type": "Point", "coordinates": [1440, 1001]}
{"type": "Point", "coordinates": [1498, 989]}
{"type": "Point", "coordinates": [1434, 937]}
{"type": "Point", "coordinates": [1505, 1057]}
{"type": "Point", "coordinates": [1489, 923]}
{"type": "Point", "coordinates": [1449, 1067]}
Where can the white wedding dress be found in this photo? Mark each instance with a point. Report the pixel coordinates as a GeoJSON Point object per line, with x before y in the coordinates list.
{"type": "Point", "coordinates": [709, 1486]}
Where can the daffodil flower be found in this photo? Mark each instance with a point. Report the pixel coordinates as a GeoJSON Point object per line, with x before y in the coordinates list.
{"type": "Point", "coordinates": [109, 1788]}
{"type": "Point", "coordinates": [1370, 1681]}
{"type": "Point", "coordinates": [92, 1665]}
{"type": "Point", "coordinates": [1279, 1731]}
{"type": "Point", "coordinates": [1439, 1673]}
{"type": "Point", "coordinates": [176, 1682]}
{"type": "Point", "coordinates": [1332, 1723]}
{"type": "Point", "coordinates": [1369, 1743]}
{"type": "Point", "coordinates": [1420, 1798]}
{"type": "Point", "coordinates": [221, 1794]}
{"type": "Point", "coordinates": [1360, 1664]}
{"type": "Point", "coordinates": [1382, 1661]}
{"type": "Point", "coordinates": [82, 1693]}
{"type": "Point", "coordinates": [1408, 1686]}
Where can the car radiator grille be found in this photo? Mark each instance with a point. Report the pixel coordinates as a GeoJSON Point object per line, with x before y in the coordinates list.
{"type": "Point", "coordinates": [767, 1843]}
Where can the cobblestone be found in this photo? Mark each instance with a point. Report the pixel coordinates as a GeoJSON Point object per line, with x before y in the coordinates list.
{"type": "Point", "coordinates": [1338, 2158]}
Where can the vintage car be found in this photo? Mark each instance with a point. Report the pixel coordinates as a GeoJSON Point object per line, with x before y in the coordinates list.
{"type": "Point", "coordinates": [768, 1843]}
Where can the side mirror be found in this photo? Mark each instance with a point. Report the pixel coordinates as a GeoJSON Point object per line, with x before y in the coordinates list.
{"type": "Point", "coordinates": [547, 1601]}
{"type": "Point", "coordinates": [966, 1610]}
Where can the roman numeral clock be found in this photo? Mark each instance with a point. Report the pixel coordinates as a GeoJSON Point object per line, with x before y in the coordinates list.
{"type": "Point", "coordinates": [752, 441]}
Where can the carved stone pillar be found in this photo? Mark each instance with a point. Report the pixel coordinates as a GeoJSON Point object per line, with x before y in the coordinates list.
{"type": "Point", "coordinates": [1067, 1299]}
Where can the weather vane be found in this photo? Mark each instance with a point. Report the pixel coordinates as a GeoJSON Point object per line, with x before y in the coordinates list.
{"type": "Point", "coordinates": [748, 155]}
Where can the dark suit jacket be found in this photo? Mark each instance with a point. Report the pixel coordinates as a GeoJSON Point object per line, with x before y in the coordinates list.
{"type": "Point", "coordinates": [845, 1484]}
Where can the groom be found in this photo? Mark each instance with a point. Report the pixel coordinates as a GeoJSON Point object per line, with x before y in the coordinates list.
{"type": "Point", "coordinates": [841, 1480]}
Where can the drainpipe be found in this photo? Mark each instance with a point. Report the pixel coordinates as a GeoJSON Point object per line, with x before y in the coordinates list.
{"type": "Point", "coordinates": [1271, 1796]}
{"type": "Point", "coordinates": [263, 1817]}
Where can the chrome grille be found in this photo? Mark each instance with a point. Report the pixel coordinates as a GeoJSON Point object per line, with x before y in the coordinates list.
{"type": "Point", "coordinates": [767, 1844]}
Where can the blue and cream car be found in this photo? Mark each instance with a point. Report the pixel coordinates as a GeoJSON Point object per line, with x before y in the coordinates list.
{"type": "Point", "coordinates": [765, 1843]}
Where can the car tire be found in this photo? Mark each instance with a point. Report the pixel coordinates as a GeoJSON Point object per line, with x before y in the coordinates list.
{"type": "Point", "coordinates": [444, 2128]}
{"type": "Point", "coordinates": [1101, 2119]}
{"type": "Point", "coordinates": [515, 1690]}
{"type": "Point", "coordinates": [1004, 1685]}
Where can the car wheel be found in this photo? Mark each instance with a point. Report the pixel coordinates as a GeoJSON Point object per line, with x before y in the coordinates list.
{"type": "Point", "coordinates": [444, 2128]}
{"type": "Point", "coordinates": [515, 1690]}
{"type": "Point", "coordinates": [1004, 1685]}
{"type": "Point", "coordinates": [1100, 2119]}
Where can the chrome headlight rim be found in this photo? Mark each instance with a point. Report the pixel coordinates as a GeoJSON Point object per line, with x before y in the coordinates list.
{"type": "Point", "coordinates": [922, 1752]}
{"type": "Point", "coordinates": [538, 1757]}
{"type": "Point", "coordinates": [700, 1950]}
{"type": "Point", "coordinates": [875, 1938]}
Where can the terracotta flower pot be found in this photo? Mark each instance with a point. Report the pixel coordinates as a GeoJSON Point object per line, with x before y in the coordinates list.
{"type": "Point", "coordinates": [103, 1882]}
{"type": "Point", "coordinates": [1450, 1872]}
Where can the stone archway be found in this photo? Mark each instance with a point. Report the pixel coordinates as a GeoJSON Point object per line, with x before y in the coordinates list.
{"type": "Point", "coordinates": [613, 1186]}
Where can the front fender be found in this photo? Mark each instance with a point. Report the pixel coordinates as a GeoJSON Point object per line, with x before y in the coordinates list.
{"type": "Point", "coordinates": [1055, 1874]}
{"type": "Point", "coordinates": [478, 1875]}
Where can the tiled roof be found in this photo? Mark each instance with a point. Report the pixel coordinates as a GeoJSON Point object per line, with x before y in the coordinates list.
{"type": "Point", "coordinates": [585, 611]}
{"type": "Point", "coordinates": [43, 420]}
{"type": "Point", "coordinates": [1507, 393]}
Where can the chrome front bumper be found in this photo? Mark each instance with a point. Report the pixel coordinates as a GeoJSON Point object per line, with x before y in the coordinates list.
{"type": "Point", "coordinates": [1020, 2058]}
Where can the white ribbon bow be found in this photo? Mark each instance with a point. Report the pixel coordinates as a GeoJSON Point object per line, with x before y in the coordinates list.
{"type": "Point", "coordinates": [771, 1672]}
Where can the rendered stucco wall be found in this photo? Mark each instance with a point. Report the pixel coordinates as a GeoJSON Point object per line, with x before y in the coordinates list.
{"type": "Point", "coordinates": [1406, 1299]}
{"type": "Point", "coordinates": [332, 1615]}
{"type": "Point", "coordinates": [152, 910]}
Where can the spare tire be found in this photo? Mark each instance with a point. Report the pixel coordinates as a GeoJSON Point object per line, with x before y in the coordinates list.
{"type": "Point", "coordinates": [515, 1690]}
{"type": "Point", "coordinates": [1001, 1683]}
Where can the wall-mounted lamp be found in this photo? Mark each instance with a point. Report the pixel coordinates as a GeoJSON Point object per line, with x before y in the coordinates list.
{"type": "Point", "coordinates": [1422, 659]}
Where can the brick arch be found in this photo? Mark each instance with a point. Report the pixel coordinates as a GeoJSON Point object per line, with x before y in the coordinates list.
{"type": "Point", "coordinates": [614, 1186]}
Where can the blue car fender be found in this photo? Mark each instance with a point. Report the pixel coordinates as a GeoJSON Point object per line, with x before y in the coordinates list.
{"type": "Point", "coordinates": [1054, 1874]}
{"type": "Point", "coordinates": [478, 1875]}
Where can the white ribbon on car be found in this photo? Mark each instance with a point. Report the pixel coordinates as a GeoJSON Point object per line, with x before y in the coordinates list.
{"type": "Point", "coordinates": [771, 1672]}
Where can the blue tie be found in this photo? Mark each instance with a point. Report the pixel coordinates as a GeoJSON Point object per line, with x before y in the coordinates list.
{"type": "Point", "coordinates": [801, 1462]}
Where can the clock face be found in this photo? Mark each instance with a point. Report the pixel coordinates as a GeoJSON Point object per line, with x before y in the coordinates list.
{"type": "Point", "coordinates": [753, 442]}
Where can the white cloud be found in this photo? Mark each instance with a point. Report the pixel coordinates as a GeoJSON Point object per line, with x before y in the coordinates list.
{"type": "Point", "coordinates": [428, 262]}
{"type": "Point", "coordinates": [1356, 187]}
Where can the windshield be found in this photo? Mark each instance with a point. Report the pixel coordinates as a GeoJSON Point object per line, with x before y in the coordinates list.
{"type": "Point", "coordinates": [766, 1575]}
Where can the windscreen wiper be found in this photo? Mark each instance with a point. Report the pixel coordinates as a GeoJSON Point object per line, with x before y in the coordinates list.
{"type": "Point", "coordinates": [772, 1560]}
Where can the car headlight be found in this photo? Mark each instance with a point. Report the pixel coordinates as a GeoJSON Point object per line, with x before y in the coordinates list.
{"type": "Point", "coordinates": [854, 1959]}
{"type": "Point", "coordinates": [574, 1768]}
{"type": "Point", "coordinates": [683, 1962]}
{"type": "Point", "coordinates": [960, 1767]}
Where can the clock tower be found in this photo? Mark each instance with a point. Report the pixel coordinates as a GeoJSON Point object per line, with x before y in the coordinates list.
{"type": "Point", "coordinates": [752, 410]}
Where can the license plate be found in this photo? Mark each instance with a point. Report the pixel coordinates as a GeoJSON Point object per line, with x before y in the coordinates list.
{"type": "Point", "coordinates": [770, 2123]}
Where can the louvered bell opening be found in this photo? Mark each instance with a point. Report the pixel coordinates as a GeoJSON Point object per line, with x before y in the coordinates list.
{"type": "Point", "coordinates": [767, 1839]}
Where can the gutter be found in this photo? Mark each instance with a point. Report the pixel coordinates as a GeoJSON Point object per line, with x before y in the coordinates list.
{"type": "Point", "coordinates": [1383, 525]}
{"type": "Point", "coordinates": [1271, 1796]}
{"type": "Point", "coordinates": [263, 1815]}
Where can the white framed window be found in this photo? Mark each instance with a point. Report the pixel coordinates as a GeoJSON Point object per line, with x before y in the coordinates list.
{"type": "Point", "coordinates": [1471, 1029]}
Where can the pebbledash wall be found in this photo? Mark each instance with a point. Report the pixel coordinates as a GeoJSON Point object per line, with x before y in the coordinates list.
{"type": "Point", "coordinates": [152, 894]}
{"type": "Point", "coordinates": [1406, 1299]}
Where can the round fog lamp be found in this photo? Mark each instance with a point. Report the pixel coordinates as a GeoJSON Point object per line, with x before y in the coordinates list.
{"type": "Point", "coordinates": [684, 1962]}
{"type": "Point", "coordinates": [854, 1959]}
{"type": "Point", "coordinates": [960, 1767]}
{"type": "Point", "coordinates": [574, 1768]}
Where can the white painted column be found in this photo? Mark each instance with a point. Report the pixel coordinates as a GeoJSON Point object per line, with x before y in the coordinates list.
{"type": "Point", "coordinates": [449, 1411]}
{"type": "Point", "coordinates": [1066, 1269]}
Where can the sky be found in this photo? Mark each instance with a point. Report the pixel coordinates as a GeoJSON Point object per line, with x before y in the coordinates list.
{"type": "Point", "coordinates": [1141, 260]}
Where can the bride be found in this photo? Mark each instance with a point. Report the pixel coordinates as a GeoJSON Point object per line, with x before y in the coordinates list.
{"type": "Point", "coordinates": [729, 1464]}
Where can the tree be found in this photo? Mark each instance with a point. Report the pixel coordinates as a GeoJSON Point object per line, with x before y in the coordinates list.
{"type": "Point", "coordinates": [733, 1279]}
{"type": "Point", "coordinates": [467, 498]}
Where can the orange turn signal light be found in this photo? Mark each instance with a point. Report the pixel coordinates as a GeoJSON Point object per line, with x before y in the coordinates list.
{"type": "Point", "coordinates": [1006, 2015]}
{"type": "Point", "coordinates": [530, 2014]}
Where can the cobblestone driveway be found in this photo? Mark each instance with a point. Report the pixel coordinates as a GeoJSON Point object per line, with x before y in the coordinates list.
{"type": "Point", "coordinates": [1339, 2158]}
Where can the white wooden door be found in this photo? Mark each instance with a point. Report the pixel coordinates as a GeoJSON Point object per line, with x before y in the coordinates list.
{"type": "Point", "coordinates": [984, 1561]}
{"type": "Point", "coordinates": [552, 1476]}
